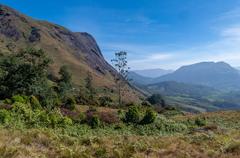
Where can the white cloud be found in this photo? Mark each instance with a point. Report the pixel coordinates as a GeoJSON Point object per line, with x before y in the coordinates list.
{"type": "Point", "coordinates": [232, 32]}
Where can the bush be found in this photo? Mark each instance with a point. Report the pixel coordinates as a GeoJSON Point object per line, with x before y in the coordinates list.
{"type": "Point", "coordinates": [132, 115]}
{"type": "Point", "coordinates": [55, 119]}
{"type": "Point", "coordinates": [105, 101]}
{"type": "Point", "coordinates": [4, 116]}
{"type": "Point", "coordinates": [7, 101]}
{"type": "Point", "coordinates": [22, 110]}
{"type": "Point", "coordinates": [94, 122]}
{"type": "Point", "coordinates": [200, 122]}
{"type": "Point", "coordinates": [20, 99]}
{"type": "Point", "coordinates": [150, 117]}
{"type": "Point", "coordinates": [35, 104]}
{"type": "Point", "coordinates": [67, 121]}
{"type": "Point", "coordinates": [70, 103]}
{"type": "Point", "coordinates": [109, 117]}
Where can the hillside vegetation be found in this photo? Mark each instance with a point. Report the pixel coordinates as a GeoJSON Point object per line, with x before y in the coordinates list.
{"type": "Point", "coordinates": [58, 99]}
{"type": "Point", "coordinates": [77, 50]}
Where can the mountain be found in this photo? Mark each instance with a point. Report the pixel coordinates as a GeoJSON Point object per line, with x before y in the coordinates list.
{"type": "Point", "coordinates": [218, 75]}
{"type": "Point", "coordinates": [181, 89]}
{"type": "Point", "coordinates": [78, 50]}
{"type": "Point", "coordinates": [138, 79]}
{"type": "Point", "coordinates": [153, 73]}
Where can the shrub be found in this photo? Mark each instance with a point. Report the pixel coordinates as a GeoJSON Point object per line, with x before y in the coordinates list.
{"type": "Point", "coordinates": [94, 122]}
{"type": "Point", "coordinates": [200, 121]}
{"type": "Point", "coordinates": [7, 101]}
{"type": "Point", "coordinates": [81, 117]}
{"type": "Point", "coordinates": [4, 116]}
{"type": "Point", "coordinates": [70, 103]}
{"type": "Point", "coordinates": [67, 121]}
{"type": "Point", "coordinates": [105, 101]}
{"type": "Point", "coordinates": [22, 110]}
{"type": "Point", "coordinates": [132, 115]}
{"type": "Point", "coordinates": [42, 117]}
{"type": "Point", "coordinates": [35, 104]}
{"type": "Point", "coordinates": [20, 99]}
{"type": "Point", "coordinates": [150, 117]}
{"type": "Point", "coordinates": [109, 117]}
{"type": "Point", "coordinates": [55, 119]}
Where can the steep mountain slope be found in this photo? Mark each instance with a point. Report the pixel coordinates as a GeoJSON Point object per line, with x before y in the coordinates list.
{"type": "Point", "coordinates": [77, 50]}
{"type": "Point", "coordinates": [218, 75]}
{"type": "Point", "coordinates": [153, 73]}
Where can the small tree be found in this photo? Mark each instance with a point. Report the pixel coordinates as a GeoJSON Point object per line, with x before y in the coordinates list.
{"type": "Point", "coordinates": [121, 78]}
{"type": "Point", "coordinates": [65, 83]}
{"type": "Point", "coordinates": [89, 87]}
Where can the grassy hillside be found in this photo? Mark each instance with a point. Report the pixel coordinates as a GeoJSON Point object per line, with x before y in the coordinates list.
{"type": "Point", "coordinates": [173, 135]}
{"type": "Point", "coordinates": [79, 51]}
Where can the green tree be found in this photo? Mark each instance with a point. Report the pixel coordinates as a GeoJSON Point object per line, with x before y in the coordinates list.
{"type": "Point", "coordinates": [23, 73]}
{"type": "Point", "coordinates": [121, 78]}
{"type": "Point", "coordinates": [89, 87]}
{"type": "Point", "coordinates": [65, 83]}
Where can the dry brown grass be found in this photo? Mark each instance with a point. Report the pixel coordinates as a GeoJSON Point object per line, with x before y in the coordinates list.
{"type": "Point", "coordinates": [37, 143]}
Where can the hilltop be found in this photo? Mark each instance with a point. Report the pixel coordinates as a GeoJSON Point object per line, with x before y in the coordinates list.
{"type": "Point", "coordinates": [218, 75]}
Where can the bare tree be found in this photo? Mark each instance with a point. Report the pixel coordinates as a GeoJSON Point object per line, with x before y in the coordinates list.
{"type": "Point", "coordinates": [121, 78]}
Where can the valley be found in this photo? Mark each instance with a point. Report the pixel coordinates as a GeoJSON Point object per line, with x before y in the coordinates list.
{"type": "Point", "coordinates": [60, 97]}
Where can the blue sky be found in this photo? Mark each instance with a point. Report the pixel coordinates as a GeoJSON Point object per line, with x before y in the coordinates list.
{"type": "Point", "coordinates": [155, 33]}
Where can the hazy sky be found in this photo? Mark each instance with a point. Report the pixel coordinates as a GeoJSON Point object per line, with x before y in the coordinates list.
{"type": "Point", "coordinates": [155, 33]}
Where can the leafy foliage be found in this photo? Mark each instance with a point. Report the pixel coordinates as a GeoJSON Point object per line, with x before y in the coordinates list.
{"type": "Point", "coordinates": [23, 73]}
{"type": "Point", "coordinates": [65, 83]}
{"type": "Point", "coordinates": [132, 115]}
{"type": "Point", "coordinates": [121, 65]}
{"type": "Point", "coordinates": [35, 104]}
{"type": "Point", "coordinates": [4, 116]}
{"type": "Point", "coordinates": [70, 103]}
{"type": "Point", "coordinates": [150, 117]}
{"type": "Point", "coordinates": [94, 121]}
{"type": "Point", "coordinates": [105, 101]}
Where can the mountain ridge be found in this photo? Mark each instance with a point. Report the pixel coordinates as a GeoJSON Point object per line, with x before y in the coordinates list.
{"type": "Point", "coordinates": [213, 74]}
{"type": "Point", "coordinates": [78, 50]}
{"type": "Point", "coordinates": [152, 73]}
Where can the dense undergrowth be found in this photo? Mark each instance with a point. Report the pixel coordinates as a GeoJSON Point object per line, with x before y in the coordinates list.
{"type": "Point", "coordinates": [27, 130]}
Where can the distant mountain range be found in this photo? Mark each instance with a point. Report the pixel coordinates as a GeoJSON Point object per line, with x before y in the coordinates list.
{"type": "Point", "coordinates": [153, 73]}
{"type": "Point", "coordinates": [219, 75]}
{"type": "Point", "coordinates": [205, 86]}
